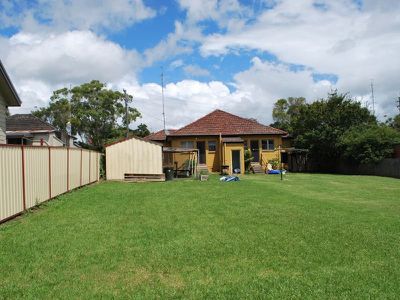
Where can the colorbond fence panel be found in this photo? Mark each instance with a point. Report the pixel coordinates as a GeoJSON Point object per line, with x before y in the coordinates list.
{"type": "Point", "coordinates": [59, 171]}
{"type": "Point", "coordinates": [74, 168]}
{"type": "Point", "coordinates": [36, 176]}
{"type": "Point", "coordinates": [11, 191]}
{"type": "Point", "coordinates": [30, 175]}
{"type": "Point", "coordinates": [85, 167]}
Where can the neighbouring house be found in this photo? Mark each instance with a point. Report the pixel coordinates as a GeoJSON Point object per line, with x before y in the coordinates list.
{"type": "Point", "coordinates": [134, 159]}
{"type": "Point", "coordinates": [26, 129]}
{"type": "Point", "coordinates": [8, 97]}
{"type": "Point", "coordinates": [221, 139]}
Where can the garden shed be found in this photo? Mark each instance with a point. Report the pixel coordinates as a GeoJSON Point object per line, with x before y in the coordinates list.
{"type": "Point", "coordinates": [134, 159]}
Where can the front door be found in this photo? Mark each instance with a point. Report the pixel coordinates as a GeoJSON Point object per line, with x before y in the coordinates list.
{"type": "Point", "coordinates": [255, 150]}
{"type": "Point", "coordinates": [236, 161]}
{"type": "Point", "coordinates": [201, 146]}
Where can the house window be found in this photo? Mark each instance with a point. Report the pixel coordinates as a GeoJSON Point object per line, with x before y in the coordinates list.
{"type": "Point", "coordinates": [187, 144]}
{"type": "Point", "coordinates": [267, 144]}
{"type": "Point", "coordinates": [212, 146]}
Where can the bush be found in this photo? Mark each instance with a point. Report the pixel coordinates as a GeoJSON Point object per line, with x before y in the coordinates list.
{"type": "Point", "coordinates": [368, 144]}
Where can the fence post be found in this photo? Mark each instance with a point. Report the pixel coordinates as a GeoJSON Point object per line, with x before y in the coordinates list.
{"type": "Point", "coordinates": [68, 169]}
{"type": "Point", "coordinates": [81, 170]}
{"type": "Point", "coordinates": [23, 178]}
{"type": "Point", "coordinates": [90, 163]}
{"type": "Point", "coordinates": [49, 172]}
{"type": "Point", "coordinates": [97, 166]}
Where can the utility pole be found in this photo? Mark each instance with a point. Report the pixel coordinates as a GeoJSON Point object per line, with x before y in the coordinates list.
{"type": "Point", "coordinates": [162, 95]}
{"type": "Point", "coordinates": [373, 97]}
{"type": "Point", "coordinates": [126, 99]}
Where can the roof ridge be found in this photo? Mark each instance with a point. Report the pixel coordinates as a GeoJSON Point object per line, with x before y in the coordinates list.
{"type": "Point", "coordinates": [215, 110]}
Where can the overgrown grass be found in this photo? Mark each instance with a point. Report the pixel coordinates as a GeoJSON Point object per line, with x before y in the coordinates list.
{"type": "Point", "coordinates": [310, 236]}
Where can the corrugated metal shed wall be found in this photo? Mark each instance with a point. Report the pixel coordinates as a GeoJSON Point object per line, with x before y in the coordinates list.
{"type": "Point", "coordinates": [133, 156]}
{"type": "Point", "coordinates": [45, 172]}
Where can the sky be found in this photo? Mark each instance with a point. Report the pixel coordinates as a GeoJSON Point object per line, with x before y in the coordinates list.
{"type": "Point", "coordinates": [235, 55]}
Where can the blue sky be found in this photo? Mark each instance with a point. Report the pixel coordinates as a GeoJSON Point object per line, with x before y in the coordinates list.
{"type": "Point", "coordinates": [236, 55]}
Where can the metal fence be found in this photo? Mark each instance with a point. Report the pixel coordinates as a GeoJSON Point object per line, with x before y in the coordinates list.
{"type": "Point", "coordinates": [30, 175]}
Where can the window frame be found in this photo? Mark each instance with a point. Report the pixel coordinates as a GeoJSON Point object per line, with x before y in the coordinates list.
{"type": "Point", "coordinates": [269, 142]}
{"type": "Point", "coordinates": [187, 142]}
{"type": "Point", "coordinates": [208, 146]}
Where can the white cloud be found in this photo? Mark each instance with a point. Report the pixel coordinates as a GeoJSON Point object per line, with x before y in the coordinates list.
{"type": "Point", "coordinates": [179, 42]}
{"type": "Point", "coordinates": [256, 90]}
{"type": "Point", "coordinates": [195, 71]}
{"type": "Point", "coordinates": [63, 15]}
{"type": "Point", "coordinates": [176, 64]}
{"type": "Point", "coordinates": [41, 63]}
{"type": "Point", "coordinates": [354, 44]}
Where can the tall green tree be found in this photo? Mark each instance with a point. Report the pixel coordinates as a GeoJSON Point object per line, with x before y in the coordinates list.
{"type": "Point", "coordinates": [285, 111]}
{"type": "Point", "coordinates": [96, 113]}
{"type": "Point", "coordinates": [320, 125]}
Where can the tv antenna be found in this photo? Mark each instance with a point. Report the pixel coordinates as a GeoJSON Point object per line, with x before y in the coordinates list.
{"type": "Point", "coordinates": [162, 96]}
{"type": "Point", "coordinates": [373, 97]}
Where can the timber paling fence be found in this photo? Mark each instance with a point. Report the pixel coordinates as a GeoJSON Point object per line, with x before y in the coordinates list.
{"type": "Point", "coordinates": [30, 175]}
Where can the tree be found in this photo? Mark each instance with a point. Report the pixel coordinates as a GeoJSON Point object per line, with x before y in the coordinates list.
{"type": "Point", "coordinates": [368, 144]}
{"type": "Point", "coordinates": [141, 130]}
{"type": "Point", "coordinates": [395, 122]}
{"type": "Point", "coordinates": [285, 111]}
{"type": "Point", "coordinates": [96, 114]}
{"type": "Point", "coordinates": [319, 126]}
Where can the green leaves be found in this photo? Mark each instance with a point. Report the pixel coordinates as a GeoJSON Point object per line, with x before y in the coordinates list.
{"type": "Point", "coordinates": [368, 144]}
{"type": "Point", "coordinates": [319, 126]}
{"type": "Point", "coordinates": [96, 114]}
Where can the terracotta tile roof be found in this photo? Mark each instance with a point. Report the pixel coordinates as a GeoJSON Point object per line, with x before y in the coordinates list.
{"type": "Point", "coordinates": [224, 123]}
{"type": "Point", "coordinates": [159, 135]}
{"type": "Point", "coordinates": [27, 123]}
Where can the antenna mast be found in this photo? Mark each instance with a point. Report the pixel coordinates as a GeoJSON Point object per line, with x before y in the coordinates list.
{"type": "Point", "coordinates": [373, 97]}
{"type": "Point", "coordinates": [162, 95]}
{"type": "Point", "coordinates": [398, 103]}
{"type": "Point", "coordinates": [126, 113]}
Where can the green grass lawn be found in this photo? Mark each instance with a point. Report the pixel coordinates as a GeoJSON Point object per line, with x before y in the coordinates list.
{"type": "Point", "coordinates": [310, 236]}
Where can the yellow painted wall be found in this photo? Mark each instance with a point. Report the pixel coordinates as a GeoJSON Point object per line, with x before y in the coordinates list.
{"type": "Point", "coordinates": [213, 160]}
{"type": "Point", "coordinates": [212, 157]}
{"type": "Point", "coordinates": [228, 148]}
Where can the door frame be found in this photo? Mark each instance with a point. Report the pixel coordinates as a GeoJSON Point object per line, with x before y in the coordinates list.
{"type": "Point", "coordinates": [258, 150]}
{"type": "Point", "coordinates": [200, 154]}
{"type": "Point", "coordinates": [240, 160]}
